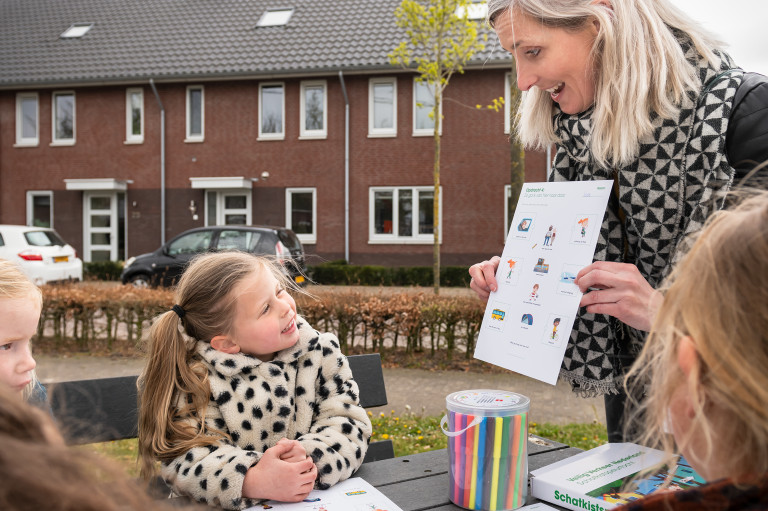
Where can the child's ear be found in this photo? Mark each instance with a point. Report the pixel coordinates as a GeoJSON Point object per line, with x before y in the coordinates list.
{"type": "Point", "coordinates": [687, 356]}
{"type": "Point", "coordinates": [225, 344]}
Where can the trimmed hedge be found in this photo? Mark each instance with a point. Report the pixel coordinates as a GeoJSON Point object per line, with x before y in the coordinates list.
{"type": "Point", "coordinates": [341, 273]}
{"type": "Point", "coordinates": [86, 313]}
{"type": "Point", "coordinates": [103, 270]}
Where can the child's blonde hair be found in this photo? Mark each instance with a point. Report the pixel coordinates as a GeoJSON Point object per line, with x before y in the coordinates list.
{"type": "Point", "coordinates": [167, 426]}
{"type": "Point", "coordinates": [717, 295]}
{"type": "Point", "coordinates": [14, 285]}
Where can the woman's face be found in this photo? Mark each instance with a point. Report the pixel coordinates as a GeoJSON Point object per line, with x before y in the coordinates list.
{"type": "Point", "coordinates": [18, 323]}
{"type": "Point", "coordinates": [553, 59]}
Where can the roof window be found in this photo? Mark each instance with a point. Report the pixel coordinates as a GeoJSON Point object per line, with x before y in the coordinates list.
{"type": "Point", "coordinates": [275, 17]}
{"type": "Point", "coordinates": [475, 11]}
{"type": "Point", "coordinates": [77, 30]}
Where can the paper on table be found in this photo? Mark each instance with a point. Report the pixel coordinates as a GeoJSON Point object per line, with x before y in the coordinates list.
{"type": "Point", "coordinates": [354, 494]}
{"type": "Point", "coordinates": [553, 235]}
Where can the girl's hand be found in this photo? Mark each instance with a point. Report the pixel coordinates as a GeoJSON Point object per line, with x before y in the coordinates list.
{"type": "Point", "coordinates": [296, 452]}
{"type": "Point", "coordinates": [618, 289]}
{"type": "Point", "coordinates": [484, 277]}
{"type": "Point", "coordinates": [275, 479]}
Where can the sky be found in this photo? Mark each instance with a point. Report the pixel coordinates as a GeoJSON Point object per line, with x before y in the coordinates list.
{"type": "Point", "coordinates": [742, 24]}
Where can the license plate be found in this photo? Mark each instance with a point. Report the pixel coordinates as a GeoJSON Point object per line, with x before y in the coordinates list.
{"type": "Point", "coordinates": [61, 259]}
{"type": "Point", "coordinates": [299, 279]}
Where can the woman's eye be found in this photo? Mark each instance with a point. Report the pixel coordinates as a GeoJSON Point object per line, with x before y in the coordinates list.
{"type": "Point", "coordinates": [533, 52]}
{"type": "Point", "coordinates": [5, 347]}
{"type": "Point", "coordinates": [280, 291]}
{"type": "Point", "coordinates": [266, 309]}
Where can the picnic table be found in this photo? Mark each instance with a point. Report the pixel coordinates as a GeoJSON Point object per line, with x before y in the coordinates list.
{"type": "Point", "coordinates": [420, 481]}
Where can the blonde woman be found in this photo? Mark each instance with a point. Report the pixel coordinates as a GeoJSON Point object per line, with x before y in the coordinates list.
{"type": "Point", "coordinates": [20, 305]}
{"type": "Point", "coordinates": [241, 399]}
{"type": "Point", "coordinates": [636, 92]}
{"type": "Point", "coordinates": [705, 365]}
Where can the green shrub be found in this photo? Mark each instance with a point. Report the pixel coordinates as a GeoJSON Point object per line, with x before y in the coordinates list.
{"type": "Point", "coordinates": [102, 270]}
{"type": "Point", "coordinates": [341, 273]}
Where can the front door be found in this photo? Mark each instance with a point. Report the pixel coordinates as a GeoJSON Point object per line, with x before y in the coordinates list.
{"type": "Point", "coordinates": [103, 226]}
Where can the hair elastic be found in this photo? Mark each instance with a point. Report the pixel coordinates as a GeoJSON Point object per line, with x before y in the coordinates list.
{"type": "Point", "coordinates": [179, 311]}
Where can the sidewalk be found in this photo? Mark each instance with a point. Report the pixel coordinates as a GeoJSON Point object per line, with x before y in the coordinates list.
{"type": "Point", "coordinates": [424, 391]}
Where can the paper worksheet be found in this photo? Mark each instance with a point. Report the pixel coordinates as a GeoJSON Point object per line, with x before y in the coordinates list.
{"type": "Point", "coordinates": [354, 494]}
{"type": "Point", "coordinates": [553, 235]}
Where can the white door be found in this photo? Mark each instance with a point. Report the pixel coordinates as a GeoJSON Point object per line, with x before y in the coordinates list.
{"type": "Point", "coordinates": [100, 232]}
{"type": "Point", "coordinates": [228, 207]}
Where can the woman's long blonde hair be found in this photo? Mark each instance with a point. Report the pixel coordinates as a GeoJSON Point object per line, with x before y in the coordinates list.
{"type": "Point", "coordinates": [173, 388]}
{"type": "Point", "coordinates": [641, 70]}
{"type": "Point", "coordinates": [14, 285]}
{"type": "Point", "coordinates": [717, 295]}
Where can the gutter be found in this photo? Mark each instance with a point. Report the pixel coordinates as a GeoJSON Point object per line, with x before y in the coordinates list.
{"type": "Point", "coordinates": [346, 166]}
{"type": "Point", "coordinates": [162, 162]}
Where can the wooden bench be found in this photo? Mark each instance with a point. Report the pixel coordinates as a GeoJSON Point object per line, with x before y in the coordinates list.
{"type": "Point", "coordinates": [101, 410]}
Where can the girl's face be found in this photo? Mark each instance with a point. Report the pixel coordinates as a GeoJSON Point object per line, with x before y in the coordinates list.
{"type": "Point", "coordinates": [18, 323]}
{"type": "Point", "coordinates": [265, 316]}
{"type": "Point", "coordinates": [553, 59]}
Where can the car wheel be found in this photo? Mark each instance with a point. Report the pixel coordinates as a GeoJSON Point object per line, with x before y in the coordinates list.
{"type": "Point", "coordinates": [141, 280]}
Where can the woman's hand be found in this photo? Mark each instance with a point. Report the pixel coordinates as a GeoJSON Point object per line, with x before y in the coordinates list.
{"type": "Point", "coordinates": [618, 289]}
{"type": "Point", "coordinates": [484, 277]}
{"type": "Point", "coordinates": [276, 479]}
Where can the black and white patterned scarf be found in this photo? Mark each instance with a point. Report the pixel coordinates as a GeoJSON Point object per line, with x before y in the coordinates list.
{"type": "Point", "coordinates": [679, 178]}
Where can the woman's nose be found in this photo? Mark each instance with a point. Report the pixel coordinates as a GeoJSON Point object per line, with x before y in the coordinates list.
{"type": "Point", "coordinates": [525, 79]}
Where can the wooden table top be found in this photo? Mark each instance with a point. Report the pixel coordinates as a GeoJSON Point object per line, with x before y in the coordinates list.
{"type": "Point", "coordinates": [420, 481]}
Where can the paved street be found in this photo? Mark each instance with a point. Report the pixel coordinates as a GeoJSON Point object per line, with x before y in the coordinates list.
{"type": "Point", "coordinates": [424, 391]}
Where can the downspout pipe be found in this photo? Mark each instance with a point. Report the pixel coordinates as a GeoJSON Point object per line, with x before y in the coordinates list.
{"type": "Point", "coordinates": [346, 166]}
{"type": "Point", "coordinates": [162, 161]}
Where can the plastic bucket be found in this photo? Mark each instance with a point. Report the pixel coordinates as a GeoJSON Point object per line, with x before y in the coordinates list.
{"type": "Point", "coordinates": [487, 448]}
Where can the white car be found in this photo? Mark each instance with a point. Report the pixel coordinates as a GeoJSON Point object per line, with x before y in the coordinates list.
{"type": "Point", "coordinates": [40, 253]}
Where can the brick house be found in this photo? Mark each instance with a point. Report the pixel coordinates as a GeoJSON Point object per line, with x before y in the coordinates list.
{"type": "Point", "coordinates": [125, 123]}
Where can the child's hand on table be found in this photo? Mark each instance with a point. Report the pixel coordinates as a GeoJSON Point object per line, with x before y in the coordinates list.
{"type": "Point", "coordinates": [277, 479]}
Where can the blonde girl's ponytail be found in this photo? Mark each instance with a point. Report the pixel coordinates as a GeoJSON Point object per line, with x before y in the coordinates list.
{"type": "Point", "coordinates": [165, 430]}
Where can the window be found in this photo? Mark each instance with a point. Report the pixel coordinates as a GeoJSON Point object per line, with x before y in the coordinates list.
{"type": "Point", "coordinates": [134, 116]}
{"type": "Point", "coordinates": [382, 107]}
{"type": "Point", "coordinates": [27, 118]}
{"type": "Point", "coordinates": [401, 214]}
{"type": "Point", "coordinates": [195, 113]}
{"type": "Point", "coordinates": [40, 209]}
{"type": "Point", "coordinates": [271, 111]}
{"type": "Point", "coordinates": [192, 243]}
{"type": "Point", "coordinates": [275, 17]}
{"type": "Point", "coordinates": [244, 241]}
{"type": "Point", "coordinates": [423, 103]}
{"type": "Point", "coordinates": [476, 10]}
{"type": "Point", "coordinates": [313, 110]}
{"type": "Point", "coordinates": [63, 118]}
{"type": "Point", "coordinates": [507, 101]}
{"type": "Point", "coordinates": [76, 30]}
{"type": "Point", "coordinates": [227, 207]}
{"type": "Point", "coordinates": [301, 213]}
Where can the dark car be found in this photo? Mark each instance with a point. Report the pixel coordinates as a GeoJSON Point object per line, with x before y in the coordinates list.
{"type": "Point", "coordinates": [164, 266]}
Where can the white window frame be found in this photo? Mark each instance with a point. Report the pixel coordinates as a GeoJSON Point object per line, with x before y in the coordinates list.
{"type": "Point", "coordinates": [507, 103]}
{"type": "Point", "coordinates": [375, 238]}
{"type": "Point", "coordinates": [31, 194]}
{"type": "Point", "coordinates": [304, 133]}
{"type": "Point", "coordinates": [424, 132]}
{"type": "Point", "coordinates": [222, 212]}
{"type": "Point", "coordinates": [54, 119]}
{"type": "Point", "coordinates": [382, 132]}
{"type": "Point", "coordinates": [271, 136]}
{"type": "Point", "coordinates": [130, 138]}
{"type": "Point", "coordinates": [20, 140]}
{"type": "Point", "coordinates": [195, 138]}
{"type": "Point", "coordinates": [307, 238]}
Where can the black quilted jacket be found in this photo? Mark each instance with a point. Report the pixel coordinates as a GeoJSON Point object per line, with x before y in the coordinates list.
{"type": "Point", "coordinates": [747, 137]}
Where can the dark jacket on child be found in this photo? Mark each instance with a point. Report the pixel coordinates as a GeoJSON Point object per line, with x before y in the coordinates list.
{"type": "Point", "coordinates": [305, 393]}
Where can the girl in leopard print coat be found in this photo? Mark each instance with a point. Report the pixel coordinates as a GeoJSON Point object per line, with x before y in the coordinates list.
{"type": "Point", "coordinates": [241, 400]}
